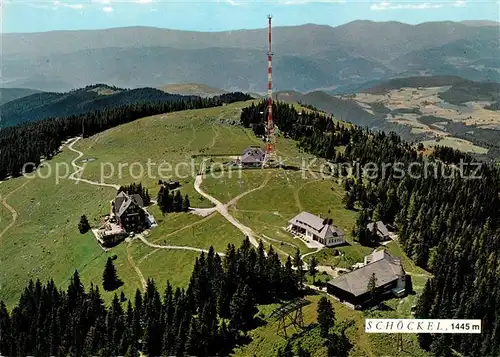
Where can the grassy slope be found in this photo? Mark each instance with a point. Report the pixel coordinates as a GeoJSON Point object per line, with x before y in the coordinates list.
{"type": "Point", "coordinates": [49, 213]}
{"type": "Point", "coordinates": [191, 89]}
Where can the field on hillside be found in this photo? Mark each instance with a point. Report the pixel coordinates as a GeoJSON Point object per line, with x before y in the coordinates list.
{"type": "Point", "coordinates": [428, 115]}
{"type": "Point", "coordinates": [48, 212]}
{"type": "Point", "coordinates": [277, 197]}
{"type": "Point", "coordinates": [456, 143]}
{"type": "Point", "coordinates": [44, 240]}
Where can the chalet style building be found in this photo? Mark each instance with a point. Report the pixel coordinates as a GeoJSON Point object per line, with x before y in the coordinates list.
{"type": "Point", "coordinates": [309, 226]}
{"type": "Point", "coordinates": [352, 288]}
{"type": "Point", "coordinates": [129, 212]}
{"type": "Point", "coordinates": [382, 231]}
{"type": "Point", "coordinates": [252, 156]}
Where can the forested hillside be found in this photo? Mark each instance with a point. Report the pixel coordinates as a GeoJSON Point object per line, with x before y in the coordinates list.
{"type": "Point", "coordinates": [9, 94]}
{"type": "Point", "coordinates": [467, 91]}
{"type": "Point", "coordinates": [92, 98]}
{"type": "Point", "coordinates": [208, 318]}
{"type": "Point", "coordinates": [447, 222]}
{"type": "Point", "coordinates": [30, 142]}
{"type": "Point", "coordinates": [414, 82]}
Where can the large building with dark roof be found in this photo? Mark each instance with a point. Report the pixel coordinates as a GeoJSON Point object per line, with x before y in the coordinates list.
{"type": "Point", "coordinates": [353, 288]}
{"type": "Point", "coordinates": [316, 228]}
{"type": "Point", "coordinates": [252, 156]}
{"type": "Point", "coordinates": [128, 211]}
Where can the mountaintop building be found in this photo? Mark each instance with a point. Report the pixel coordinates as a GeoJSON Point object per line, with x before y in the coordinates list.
{"type": "Point", "coordinates": [129, 212]}
{"type": "Point", "coordinates": [353, 288]}
{"type": "Point", "coordinates": [252, 156]}
{"type": "Point", "coordinates": [309, 226]}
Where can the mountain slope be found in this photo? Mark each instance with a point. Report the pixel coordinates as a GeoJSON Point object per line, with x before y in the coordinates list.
{"type": "Point", "coordinates": [197, 89]}
{"type": "Point", "coordinates": [92, 98]}
{"type": "Point", "coordinates": [428, 109]}
{"type": "Point", "coordinates": [9, 94]}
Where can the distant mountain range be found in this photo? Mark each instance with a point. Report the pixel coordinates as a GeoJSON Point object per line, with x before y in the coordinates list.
{"type": "Point", "coordinates": [307, 58]}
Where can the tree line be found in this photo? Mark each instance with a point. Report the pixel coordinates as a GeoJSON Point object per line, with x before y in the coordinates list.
{"type": "Point", "coordinates": [172, 201]}
{"type": "Point", "coordinates": [135, 188]}
{"type": "Point", "coordinates": [207, 318]}
{"type": "Point", "coordinates": [447, 220]}
{"type": "Point", "coordinates": [30, 142]}
{"type": "Point", "coordinates": [92, 98]}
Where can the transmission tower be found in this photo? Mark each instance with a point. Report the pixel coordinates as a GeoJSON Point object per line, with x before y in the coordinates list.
{"type": "Point", "coordinates": [270, 158]}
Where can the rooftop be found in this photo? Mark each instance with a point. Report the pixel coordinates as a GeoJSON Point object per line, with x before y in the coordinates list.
{"type": "Point", "coordinates": [253, 154]}
{"type": "Point", "coordinates": [123, 201]}
{"type": "Point", "coordinates": [310, 221]}
{"type": "Point", "coordinates": [386, 270]}
{"type": "Point", "coordinates": [382, 230]}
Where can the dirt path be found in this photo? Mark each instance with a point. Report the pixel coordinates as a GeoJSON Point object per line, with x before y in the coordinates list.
{"type": "Point", "coordinates": [296, 194]}
{"type": "Point", "coordinates": [193, 137]}
{"type": "Point", "coordinates": [216, 135]}
{"type": "Point", "coordinates": [280, 241]}
{"type": "Point", "coordinates": [308, 254]}
{"type": "Point", "coordinates": [186, 227]}
{"type": "Point", "coordinates": [222, 209]}
{"type": "Point", "coordinates": [237, 198]}
{"type": "Point", "coordinates": [79, 169]}
{"type": "Point", "coordinates": [178, 247]}
{"type": "Point", "coordinates": [136, 268]}
{"type": "Point", "coordinates": [11, 209]}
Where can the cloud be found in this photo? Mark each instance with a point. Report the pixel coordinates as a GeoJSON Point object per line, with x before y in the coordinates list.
{"type": "Point", "coordinates": [460, 3]}
{"type": "Point", "coordinates": [107, 9]}
{"type": "Point", "coordinates": [300, 2]}
{"type": "Point", "coordinates": [389, 6]}
{"type": "Point", "coordinates": [144, 1]}
{"type": "Point", "coordinates": [73, 6]}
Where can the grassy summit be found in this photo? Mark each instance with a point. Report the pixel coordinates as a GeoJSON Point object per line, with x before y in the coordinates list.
{"type": "Point", "coordinates": [43, 242]}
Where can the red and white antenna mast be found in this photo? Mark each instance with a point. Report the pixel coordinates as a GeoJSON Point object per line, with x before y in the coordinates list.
{"type": "Point", "coordinates": [271, 140]}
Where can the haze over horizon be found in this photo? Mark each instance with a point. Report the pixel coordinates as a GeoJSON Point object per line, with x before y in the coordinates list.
{"type": "Point", "coordinates": [219, 15]}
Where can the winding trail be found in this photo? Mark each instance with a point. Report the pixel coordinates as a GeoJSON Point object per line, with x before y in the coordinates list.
{"type": "Point", "coordinates": [219, 207]}
{"type": "Point", "coordinates": [237, 198]}
{"type": "Point", "coordinates": [136, 268]}
{"type": "Point", "coordinates": [193, 137]}
{"type": "Point", "coordinates": [12, 211]}
{"type": "Point", "coordinates": [79, 169]}
{"type": "Point", "coordinates": [186, 227]}
{"type": "Point", "coordinates": [280, 241]}
{"type": "Point", "coordinates": [306, 255]}
{"type": "Point", "coordinates": [222, 209]}
{"type": "Point", "coordinates": [152, 245]}
{"type": "Point", "coordinates": [216, 135]}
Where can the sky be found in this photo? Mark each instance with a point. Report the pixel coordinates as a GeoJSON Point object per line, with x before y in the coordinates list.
{"type": "Point", "coordinates": [221, 15]}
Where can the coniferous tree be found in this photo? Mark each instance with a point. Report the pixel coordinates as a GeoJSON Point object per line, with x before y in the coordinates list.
{"type": "Point", "coordinates": [243, 308]}
{"type": "Point", "coordinates": [326, 316]}
{"type": "Point", "coordinates": [313, 263]}
{"type": "Point", "coordinates": [297, 261]}
{"type": "Point", "coordinates": [186, 204]}
{"type": "Point", "coordinates": [83, 225]}
{"type": "Point", "coordinates": [372, 284]}
{"type": "Point", "coordinates": [177, 202]}
{"type": "Point", "coordinates": [110, 280]}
